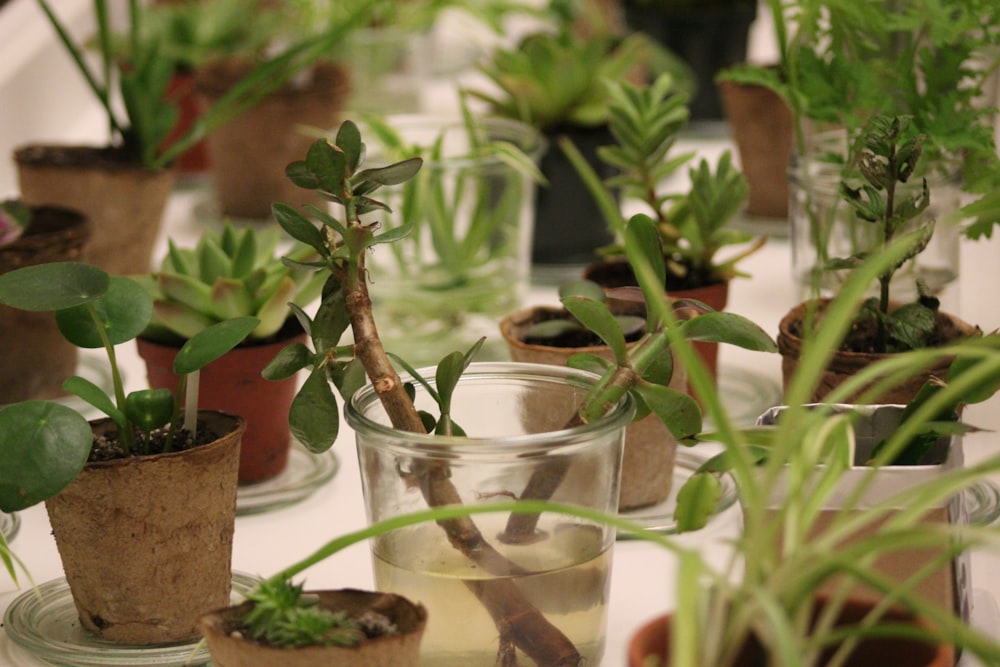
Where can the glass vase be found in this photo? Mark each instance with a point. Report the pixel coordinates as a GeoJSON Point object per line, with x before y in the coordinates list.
{"type": "Point", "coordinates": [536, 585]}
{"type": "Point", "coordinates": [466, 264]}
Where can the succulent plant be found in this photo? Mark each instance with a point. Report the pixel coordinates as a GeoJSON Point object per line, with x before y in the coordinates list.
{"type": "Point", "coordinates": [232, 273]}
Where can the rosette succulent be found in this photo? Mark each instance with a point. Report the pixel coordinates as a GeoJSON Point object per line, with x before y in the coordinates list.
{"type": "Point", "coordinates": [232, 273]}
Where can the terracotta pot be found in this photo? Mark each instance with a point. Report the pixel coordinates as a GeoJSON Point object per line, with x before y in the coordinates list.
{"type": "Point", "coordinates": [36, 356]}
{"type": "Point", "coordinates": [181, 92]}
{"type": "Point", "coordinates": [249, 153]}
{"type": "Point", "coordinates": [123, 201]}
{"type": "Point", "coordinates": [398, 650]}
{"type": "Point", "coordinates": [716, 295]}
{"type": "Point", "coordinates": [650, 448]}
{"type": "Point", "coordinates": [233, 384]}
{"type": "Point", "coordinates": [146, 541]}
{"type": "Point", "coordinates": [846, 364]}
{"type": "Point", "coordinates": [653, 640]}
{"type": "Point", "coordinates": [762, 127]}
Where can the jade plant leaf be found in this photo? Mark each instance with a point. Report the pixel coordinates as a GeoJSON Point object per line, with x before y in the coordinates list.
{"type": "Point", "coordinates": [314, 417]}
{"type": "Point", "coordinates": [44, 446]}
{"type": "Point", "coordinates": [123, 312]}
{"type": "Point", "coordinates": [697, 500]}
{"type": "Point", "coordinates": [299, 227]}
{"type": "Point", "coordinates": [52, 286]}
{"type": "Point", "coordinates": [676, 409]}
{"type": "Point", "coordinates": [289, 361]}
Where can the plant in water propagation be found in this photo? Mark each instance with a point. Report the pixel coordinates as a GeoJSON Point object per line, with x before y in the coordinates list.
{"type": "Point", "coordinates": [336, 171]}
{"type": "Point", "coordinates": [45, 444]}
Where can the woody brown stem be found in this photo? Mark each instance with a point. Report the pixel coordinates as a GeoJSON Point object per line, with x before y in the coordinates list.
{"type": "Point", "coordinates": [515, 617]}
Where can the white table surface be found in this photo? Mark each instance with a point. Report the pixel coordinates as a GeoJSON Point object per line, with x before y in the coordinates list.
{"type": "Point", "coordinates": [642, 578]}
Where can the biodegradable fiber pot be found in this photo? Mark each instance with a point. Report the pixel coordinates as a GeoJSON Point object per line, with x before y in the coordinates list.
{"type": "Point", "coordinates": [845, 364]}
{"type": "Point", "coordinates": [649, 450]}
{"type": "Point", "coordinates": [146, 541]}
{"type": "Point", "coordinates": [124, 202]}
{"type": "Point", "coordinates": [229, 649]}
{"type": "Point", "coordinates": [233, 384]}
{"type": "Point", "coordinates": [248, 155]}
{"type": "Point", "coordinates": [653, 641]}
{"type": "Point", "coordinates": [36, 356]}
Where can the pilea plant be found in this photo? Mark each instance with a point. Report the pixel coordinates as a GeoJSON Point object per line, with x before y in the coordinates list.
{"type": "Point", "coordinates": [888, 159]}
{"type": "Point", "coordinates": [336, 171]}
{"type": "Point", "coordinates": [45, 444]}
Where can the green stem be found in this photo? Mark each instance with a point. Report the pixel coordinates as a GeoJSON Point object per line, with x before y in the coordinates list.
{"type": "Point", "coordinates": [126, 437]}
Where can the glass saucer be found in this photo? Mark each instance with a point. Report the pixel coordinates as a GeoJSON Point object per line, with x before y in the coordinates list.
{"type": "Point", "coordinates": [304, 473]}
{"type": "Point", "coordinates": [660, 517]}
{"type": "Point", "coordinates": [746, 395]}
{"type": "Point", "coordinates": [982, 501]}
{"type": "Point", "coordinates": [9, 525]}
{"type": "Point", "coordinates": [46, 625]}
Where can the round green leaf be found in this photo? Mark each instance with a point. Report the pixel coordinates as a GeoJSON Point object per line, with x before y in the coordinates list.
{"type": "Point", "coordinates": [124, 311]}
{"type": "Point", "coordinates": [43, 446]}
{"type": "Point", "coordinates": [53, 286]}
{"type": "Point", "coordinates": [150, 408]}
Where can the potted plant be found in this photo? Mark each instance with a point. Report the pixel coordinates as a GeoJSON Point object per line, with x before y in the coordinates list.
{"type": "Point", "coordinates": [36, 356]}
{"type": "Point", "coordinates": [791, 549]}
{"type": "Point", "coordinates": [569, 446]}
{"type": "Point", "coordinates": [279, 624]}
{"type": "Point", "coordinates": [154, 483]}
{"type": "Point", "coordinates": [555, 80]}
{"type": "Point", "coordinates": [882, 327]}
{"type": "Point", "coordinates": [132, 170]}
{"type": "Point", "coordinates": [232, 273]}
{"type": "Point", "coordinates": [691, 227]}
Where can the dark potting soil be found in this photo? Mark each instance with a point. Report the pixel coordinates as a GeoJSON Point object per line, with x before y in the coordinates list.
{"type": "Point", "coordinates": [571, 338]}
{"type": "Point", "coordinates": [108, 447]}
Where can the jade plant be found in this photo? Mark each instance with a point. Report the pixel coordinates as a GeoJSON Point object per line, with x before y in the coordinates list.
{"type": "Point", "coordinates": [693, 226]}
{"type": "Point", "coordinates": [45, 444]}
{"type": "Point", "coordinates": [343, 243]}
{"type": "Point", "coordinates": [229, 273]}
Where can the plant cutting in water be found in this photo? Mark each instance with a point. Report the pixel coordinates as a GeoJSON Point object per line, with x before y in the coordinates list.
{"type": "Point", "coordinates": [336, 171]}
{"type": "Point", "coordinates": [45, 444]}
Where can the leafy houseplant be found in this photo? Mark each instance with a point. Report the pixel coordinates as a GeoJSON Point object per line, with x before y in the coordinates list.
{"type": "Point", "coordinates": [36, 356]}
{"type": "Point", "coordinates": [554, 80]}
{"type": "Point", "coordinates": [890, 157]}
{"type": "Point", "coordinates": [86, 178]}
{"type": "Point", "coordinates": [691, 227]}
{"type": "Point", "coordinates": [153, 445]}
{"type": "Point", "coordinates": [232, 273]}
{"type": "Point", "coordinates": [840, 66]}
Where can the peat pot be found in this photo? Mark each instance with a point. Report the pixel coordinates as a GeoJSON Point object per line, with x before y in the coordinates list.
{"type": "Point", "coordinates": [401, 649]}
{"type": "Point", "coordinates": [146, 541]}
{"type": "Point", "coordinates": [540, 583]}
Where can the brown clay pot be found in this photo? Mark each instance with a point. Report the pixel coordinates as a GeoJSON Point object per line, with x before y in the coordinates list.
{"type": "Point", "coordinates": [650, 448]}
{"type": "Point", "coordinates": [762, 127]}
{"type": "Point", "coordinates": [610, 274]}
{"type": "Point", "coordinates": [181, 92]}
{"type": "Point", "coordinates": [248, 155]}
{"type": "Point", "coordinates": [843, 365]}
{"type": "Point", "coordinates": [36, 358]}
{"type": "Point", "coordinates": [124, 202]}
{"type": "Point", "coordinates": [233, 384]}
{"type": "Point", "coordinates": [653, 639]}
{"type": "Point", "coordinates": [398, 650]}
{"type": "Point", "coordinates": [146, 541]}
